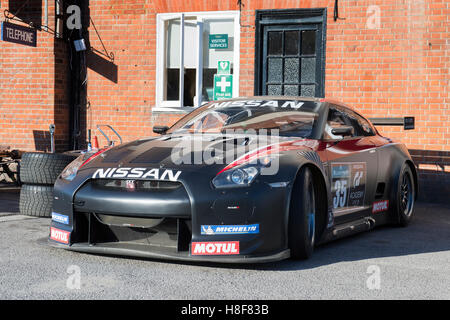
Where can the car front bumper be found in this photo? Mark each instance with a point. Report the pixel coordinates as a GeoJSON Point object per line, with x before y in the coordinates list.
{"type": "Point", "coordinates": [124, 223]}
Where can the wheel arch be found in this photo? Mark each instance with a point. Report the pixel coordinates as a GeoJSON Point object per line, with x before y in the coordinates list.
{"type": "Point", "coordinates": [321, 190]}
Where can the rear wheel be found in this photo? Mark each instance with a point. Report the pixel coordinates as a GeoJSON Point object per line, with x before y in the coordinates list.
{"type": "Point", "coordinates": [302, 216]}
{"type": "Point", "coordinates": [404, 197]}
{"type": "Point", "coordinates": [43, 168]}
{"type": "Point", "coordinates": [36, 200]}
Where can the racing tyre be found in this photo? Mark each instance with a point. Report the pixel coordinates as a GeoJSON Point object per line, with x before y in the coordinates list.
{"type": "Point", "coordinates": [36, 200]}
{"type": "Point", "coordinates": [302, 216]}
{"type": "Point", "coordinates": [43, 168]}
{"type": "Point", "coordinates": [403, 203]}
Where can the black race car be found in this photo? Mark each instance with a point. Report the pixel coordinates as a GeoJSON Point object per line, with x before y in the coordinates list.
{"type": "Point", "coordinates": [253, 179]}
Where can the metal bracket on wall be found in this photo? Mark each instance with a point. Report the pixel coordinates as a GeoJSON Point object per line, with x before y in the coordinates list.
{"type": "Point", "coordinates": [336, 11]}
{"type": "Point", "coordinates": [240, 4]}
{"type": "Point", "coordinates": [9, 16]}
{"type": "Point", "coordinates": [109, 55]}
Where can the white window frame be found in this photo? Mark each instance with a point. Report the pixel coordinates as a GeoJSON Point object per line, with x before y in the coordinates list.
{"type": "Point", "coordinates": [177, 106]}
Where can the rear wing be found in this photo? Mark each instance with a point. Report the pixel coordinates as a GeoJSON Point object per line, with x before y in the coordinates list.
{"type": "Point", "coordinates": [406, 122]}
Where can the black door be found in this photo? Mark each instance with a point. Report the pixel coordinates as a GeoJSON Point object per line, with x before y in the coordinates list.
{"type": "Point", "coordinates": [290, 57]}
{"type": "Point", "coordinates": [353, 165]}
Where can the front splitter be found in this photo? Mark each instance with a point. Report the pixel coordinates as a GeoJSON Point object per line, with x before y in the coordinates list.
{"type": "Point", "coordinates": [136, 250]}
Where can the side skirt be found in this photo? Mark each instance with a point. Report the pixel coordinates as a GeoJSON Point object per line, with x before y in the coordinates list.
{"type": "Point", "coordinates": [347, 229]}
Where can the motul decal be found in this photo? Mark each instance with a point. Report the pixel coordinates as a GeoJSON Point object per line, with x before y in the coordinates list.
{"type": "Point", "coordinates": [59, 235]}
{"type": "Point", "coordinates": [215, 248]}
{"type": "Point", "coordinates": [380, 206]}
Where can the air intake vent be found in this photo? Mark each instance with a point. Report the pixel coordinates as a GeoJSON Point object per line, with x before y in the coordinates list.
{"type": "Point", "coordinates": [380, 190]}
{"type": "Point", "coordinates": [138, 185]}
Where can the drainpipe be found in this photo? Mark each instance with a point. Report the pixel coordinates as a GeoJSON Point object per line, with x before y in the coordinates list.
{"type": "Point", "coordinates": [59, 23]}
{"type": "Point", "coordinates": [46, 16]}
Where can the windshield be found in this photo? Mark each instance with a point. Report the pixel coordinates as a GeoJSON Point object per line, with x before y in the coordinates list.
{"type": "Point", "coordinates": [288, 121]}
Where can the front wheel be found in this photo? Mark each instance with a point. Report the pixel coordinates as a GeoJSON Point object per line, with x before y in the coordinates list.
{"type": "Point", "coordinates": [302, 216]}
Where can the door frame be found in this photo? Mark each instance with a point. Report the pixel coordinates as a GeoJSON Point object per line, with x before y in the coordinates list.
{"type": "Point", "coordinates": [282, 17]}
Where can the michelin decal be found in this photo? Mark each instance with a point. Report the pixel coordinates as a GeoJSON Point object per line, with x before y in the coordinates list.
{"type": "Point", "coordinates": [220, 229]}
{"type": "Point", "coordinates": [60, 218]}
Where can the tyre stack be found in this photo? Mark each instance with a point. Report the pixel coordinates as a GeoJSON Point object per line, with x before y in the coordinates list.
{"type": "Point", "coordinates": [38, 173]}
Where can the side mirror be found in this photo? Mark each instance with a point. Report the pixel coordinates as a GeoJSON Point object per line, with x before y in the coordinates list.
{"type": "Point", "coordinates": [342, 131]}
{"type": "Point", "coordinates": [160, 129]}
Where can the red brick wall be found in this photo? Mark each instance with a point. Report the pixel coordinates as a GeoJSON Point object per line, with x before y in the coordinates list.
{"type": "Point", "coordinates": [33, 88]}
{"type": "Point", "coordinates": [400, 68]}
{"type": "Point", "coordinates": [397, 68]}
{"type": "Point", "coordinates": [128, 30]}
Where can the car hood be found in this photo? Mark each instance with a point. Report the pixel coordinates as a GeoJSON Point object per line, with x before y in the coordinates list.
{"type": "Point", "coordinates": [191, 152]}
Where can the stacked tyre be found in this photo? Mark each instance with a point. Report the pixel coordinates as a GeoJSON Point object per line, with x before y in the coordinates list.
{"type": "Point", "coordinates": [38, 173]}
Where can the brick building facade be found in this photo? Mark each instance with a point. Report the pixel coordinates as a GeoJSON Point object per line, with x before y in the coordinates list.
{"type": "Point", "coordinates": [385, 58]}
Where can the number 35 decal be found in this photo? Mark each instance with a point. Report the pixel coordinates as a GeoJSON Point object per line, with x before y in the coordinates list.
{"type": "Point", "coordinates": [348, 184]}
{"type": "Point", "coordinates": [340, 198]}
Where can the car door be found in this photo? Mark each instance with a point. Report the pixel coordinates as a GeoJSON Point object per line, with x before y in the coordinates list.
{"type": "Point", "coordinates": [352, 165]}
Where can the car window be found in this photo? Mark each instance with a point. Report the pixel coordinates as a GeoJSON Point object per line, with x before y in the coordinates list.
{"type": "Point", "coordinates": [337, 118]}
{"type": "Point", "coordinates": [340, 117]}
{"type": "Point", "coordinates": [286, 121]}
{"type": "Point", "coordinates": [364, 127]}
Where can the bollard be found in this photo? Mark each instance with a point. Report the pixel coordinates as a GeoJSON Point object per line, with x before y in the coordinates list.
{"type": "Point", "coordinates": [52, 138]}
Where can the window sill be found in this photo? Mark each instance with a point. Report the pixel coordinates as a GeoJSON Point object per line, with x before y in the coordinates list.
{"type": "Point", "coordinates": [173, 110]}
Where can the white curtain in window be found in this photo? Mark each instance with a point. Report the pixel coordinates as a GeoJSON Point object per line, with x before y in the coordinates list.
{"type": "Point", "coordinates": [173, 44]}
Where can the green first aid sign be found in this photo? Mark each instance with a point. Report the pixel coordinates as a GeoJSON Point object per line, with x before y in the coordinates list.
{"type": "Point", "coordinates": [223, 86]}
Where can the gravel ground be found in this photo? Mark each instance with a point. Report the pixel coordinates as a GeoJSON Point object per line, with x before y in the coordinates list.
{"type": "Point", "coordinates": [412, 263]}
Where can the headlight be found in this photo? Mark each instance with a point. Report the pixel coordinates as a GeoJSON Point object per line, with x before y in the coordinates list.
{"type": "Point", "coordinates": [239, 177]}
{"type": "Point", "coordinates": [72, 168]}
{"type": "Point", "coordinates": [242, 171]}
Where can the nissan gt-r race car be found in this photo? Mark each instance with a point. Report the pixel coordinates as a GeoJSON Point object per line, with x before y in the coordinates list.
{"type": "Point", "coordinates": [244, 180]}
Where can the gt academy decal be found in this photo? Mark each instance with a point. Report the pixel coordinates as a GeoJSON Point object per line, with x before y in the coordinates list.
{"type": "Point", "coordinates": [348, 184]}
{"type": "Point", "coordinates": [258, 103]}
{"type": "Point", "coordinates": [137, 173]}
{"type": "Point", "coordinates": [215, 248]}
{"type": "Point", "coordinates": [60, 218]}
{"type": "Point", "coordinates": [380, 206]}
{"type": "Point", "coordinates": [239, 229]}
{"type": "Point", "coordinates": [59, 235]}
